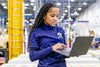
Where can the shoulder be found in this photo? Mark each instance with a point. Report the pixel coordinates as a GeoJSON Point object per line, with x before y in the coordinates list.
{"type": "Point", "coordinates": [36, 31]}
{"type": "Point", "coordinates": [60, 29]}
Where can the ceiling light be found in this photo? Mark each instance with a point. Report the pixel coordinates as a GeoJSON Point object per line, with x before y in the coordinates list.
{"type": "Point", "coordinates": [68, 6]}
{"type": "Point", "coordinates": [34, 9]}
{"type": "Point", "coordinates": [64, 14]}
{"type": "Point", "coordinates": [31, 24]}
{"type": "Point", "coordinates": [84, 3]}
{"type": "Point", "coordinates": [32, 0]}
{"type": "Point", "coordinates": [25, 7]}
{"type": "Point", "coordinates": [66, 11]}
{"type": "Point", "coordinates": [72, 0]}
{"type": "Point", "coordinates": [76, 13]}
{"type": "Point", "coordinates": [79, 8]}
{"type": "Point", "coordinates": [26, 4]}
{"type": "Point", "coordinates": [58, 3]}
{"type": "Point", "coordinates": [3, 4]}
{"type": "Point", "coordinates": [28, 14]}
{"type": "Point", "coordinates": [25, 20]}
{"type": "Point", "coordinates": [6, 23]}
{"type": "Point", "coordinates": [69, 19]}
{"type": "Point", "coordinates": [5, 30]}
{"type": "Point", "coordinates": [32, 20]}
{"type": "Point", "coordinates": [32, 4]}
{"type": "Point", "coordinates": [72, 14]}
{"type": "Point", "coordinates": [37, 10]}
{"type": "Point", "coordinates": [5, 7]}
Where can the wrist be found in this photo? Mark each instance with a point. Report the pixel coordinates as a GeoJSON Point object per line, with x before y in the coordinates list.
{"type": "Point", "coordinates": [52, 48]}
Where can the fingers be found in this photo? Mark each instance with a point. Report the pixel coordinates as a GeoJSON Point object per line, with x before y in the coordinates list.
{"type": "Point", "coordinates": [64, 46]}
{"type": "Point", "coordinates": [61, 46]}
{"type": "Point", "coordinates": [58, 46]}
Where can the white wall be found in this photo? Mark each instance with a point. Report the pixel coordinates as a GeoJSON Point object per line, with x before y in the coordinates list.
{"type": "Point", "coordinates": [92, 14]}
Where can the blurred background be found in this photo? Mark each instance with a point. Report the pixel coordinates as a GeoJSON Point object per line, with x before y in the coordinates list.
{"type": "Point", "coordinates": [77, 18]}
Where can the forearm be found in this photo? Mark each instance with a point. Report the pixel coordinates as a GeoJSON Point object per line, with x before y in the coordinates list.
{"type": "Point", "coordinates": [39, 54]}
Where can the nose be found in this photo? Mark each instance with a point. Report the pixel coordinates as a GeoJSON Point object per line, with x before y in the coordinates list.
{"type": "Point", "coordinates": [56, 18]}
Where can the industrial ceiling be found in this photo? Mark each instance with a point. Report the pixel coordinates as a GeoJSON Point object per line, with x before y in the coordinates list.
{"type": "Point", "coordinates": [72, 7]}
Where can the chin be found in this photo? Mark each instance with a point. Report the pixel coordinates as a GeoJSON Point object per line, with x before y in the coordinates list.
{"type": "Point", "coordinates": [53, 25]}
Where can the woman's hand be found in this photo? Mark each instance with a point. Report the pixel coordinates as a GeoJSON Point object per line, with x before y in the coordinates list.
{"type": "Point", "coordinates": [58, 46]}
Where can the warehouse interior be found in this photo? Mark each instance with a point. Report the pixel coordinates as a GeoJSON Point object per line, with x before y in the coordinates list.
{"type": "Point", "coordinates": [76, 17]}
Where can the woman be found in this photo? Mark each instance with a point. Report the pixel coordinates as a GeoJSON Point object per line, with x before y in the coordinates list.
{"type": "Point", "coordinates": [45, 37]}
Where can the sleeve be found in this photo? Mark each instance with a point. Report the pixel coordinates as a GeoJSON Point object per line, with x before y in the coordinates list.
{"type": "Point", "coordinates": [34, 52]}
{"type": "Point", "coordinates": [63, 34]}
{"type": "Point", "coordinates": [64, 42]}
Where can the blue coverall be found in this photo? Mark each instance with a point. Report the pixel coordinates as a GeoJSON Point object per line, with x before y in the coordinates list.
{"type": "Point", "coordinates": [40, 44]}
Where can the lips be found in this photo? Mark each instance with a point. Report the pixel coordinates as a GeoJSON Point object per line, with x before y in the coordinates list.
{"type": "Point", "coordinates": [53, 22]}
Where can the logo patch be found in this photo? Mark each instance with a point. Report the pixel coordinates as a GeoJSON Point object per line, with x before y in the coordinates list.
{"type": "Point", "coordinates": [59, 35]}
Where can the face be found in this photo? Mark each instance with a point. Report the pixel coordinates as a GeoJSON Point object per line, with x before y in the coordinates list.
{"type": "Point", "coordinates": [51, 17]}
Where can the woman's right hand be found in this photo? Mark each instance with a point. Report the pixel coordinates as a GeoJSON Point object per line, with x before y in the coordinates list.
{"type": "Point", "coordinates": [58, 46]}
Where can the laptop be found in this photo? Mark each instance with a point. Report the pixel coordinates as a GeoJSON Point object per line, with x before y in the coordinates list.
{"type": "Point", "coordinates": [80, 47]}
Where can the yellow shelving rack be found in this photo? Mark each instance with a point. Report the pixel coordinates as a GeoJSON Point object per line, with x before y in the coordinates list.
{"type": "Point", "coordinates": [15, 27]}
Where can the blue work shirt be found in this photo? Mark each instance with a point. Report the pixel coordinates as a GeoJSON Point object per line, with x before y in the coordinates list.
{"type": "Point", "coordinates": [40, 44]}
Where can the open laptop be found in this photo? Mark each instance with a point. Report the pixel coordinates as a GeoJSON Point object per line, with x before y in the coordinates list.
{"type": "Point", "coordinates": [80, 47]}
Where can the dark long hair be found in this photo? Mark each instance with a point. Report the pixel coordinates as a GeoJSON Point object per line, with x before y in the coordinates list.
{"type": "Point", "coordinates": [39, 19]}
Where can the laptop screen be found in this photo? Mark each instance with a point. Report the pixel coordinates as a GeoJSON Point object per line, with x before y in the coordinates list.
{"type": "Point", "coordinates": [81, 45]}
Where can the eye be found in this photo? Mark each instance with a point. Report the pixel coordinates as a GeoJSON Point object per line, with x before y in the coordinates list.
{"type": "Point", "coordinates": [52, 15]}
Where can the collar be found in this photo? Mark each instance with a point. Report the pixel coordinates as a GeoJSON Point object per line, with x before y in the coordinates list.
{"type": "Point", "coordinates": [47, 27]}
